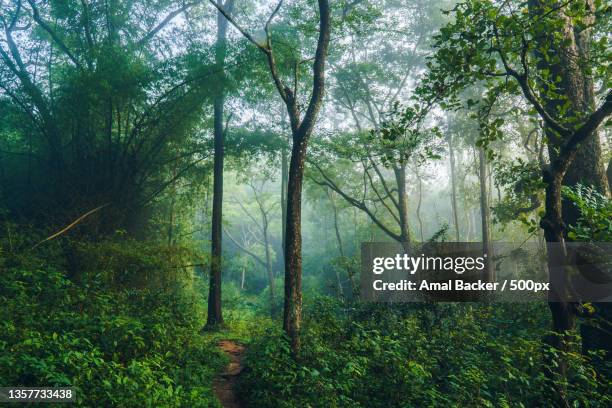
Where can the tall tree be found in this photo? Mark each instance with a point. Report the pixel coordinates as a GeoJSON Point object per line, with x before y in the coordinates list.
{"type": "Point", "coordinates": [302, 126]}
{"type": "Point", "coordinates": [453, 182]}
{"type": "Point", "coordinates": [485, 211]}
{"type": "Point", "coordinates": [215, 315]}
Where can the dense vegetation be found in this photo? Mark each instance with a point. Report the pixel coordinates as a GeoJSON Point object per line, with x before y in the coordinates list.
{"type": "Point", "coordinates": [444, 355]}
{"type": "Point", "coordinates": [117, 344]}
{"type": "Point", "coordinates": [174, 174]}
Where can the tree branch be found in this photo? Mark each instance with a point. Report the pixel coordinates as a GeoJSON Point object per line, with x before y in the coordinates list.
{"type": "Point", "coordinates": [359, 204]}
{"type": "Point", "coordinates": [165, 22]}
{"type": "Point", "coordinates": [589, 126]}
{"type": "Point", "coordinates": [265, 48]}
{"type": "Point", "coordinates": [53, 35]}
{"type": "Point", "coordinates": [257, 258]}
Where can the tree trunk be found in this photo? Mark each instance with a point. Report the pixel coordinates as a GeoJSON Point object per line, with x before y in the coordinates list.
{"type": "Point", "coordinates": [485, 214]}
{"type": "Point", "coordinates": [453, 187]}
{"type": "Point", "coordinates": [340, 247]}
{"type": "Point", "coordinates": [576, 87]}
{"type": "Point", "coordinates": [587, 167]}
{"type": "Point", "coordinates": [292, 316]}
{"type": "Point", "coordinates": [562, 311]}
{"type": "Point", "coordinates": [171, 222]}
{"type": "Point", "coordinates": [214, 295]}
{"type": "Point", "coordinates": [284, 178]}
{"type": "Point", "coordinates": [243, 275]}
{"type": "Point", "coordinates": [268, 261]}
{"type": "Point", "coordinates": [215, 316]}
{"type": "Point", "coordinates": [402, 198]}
{"type": "Point", "coordinates": [418, 209]}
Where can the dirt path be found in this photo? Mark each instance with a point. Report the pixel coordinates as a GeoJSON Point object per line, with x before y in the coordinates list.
{"type": "Point", "coordinates": [223, 385]}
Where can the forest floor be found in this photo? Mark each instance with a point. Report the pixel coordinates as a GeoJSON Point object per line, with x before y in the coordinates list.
{"type": "Point", "coordinates": [224, 384]}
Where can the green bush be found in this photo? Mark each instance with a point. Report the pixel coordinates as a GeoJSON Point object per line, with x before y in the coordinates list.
{"type": "Point", "coordinates": [117, 345]}
{"type": "Point", "coordinates": [595, 222]}
{"type": "Point", "coordinates": [416, 356]}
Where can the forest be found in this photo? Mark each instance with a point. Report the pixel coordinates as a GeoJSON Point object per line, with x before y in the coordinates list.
{"type": "Point", "coordinates": [186, 189]}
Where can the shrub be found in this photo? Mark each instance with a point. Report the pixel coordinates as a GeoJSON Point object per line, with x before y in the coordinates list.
{"type": "Point", "coordinates": [117, 345]}
{"type": "Point", "coordinates": [416, 356]}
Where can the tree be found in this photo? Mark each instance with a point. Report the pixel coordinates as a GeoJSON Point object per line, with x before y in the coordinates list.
{"type": "Point", "coordinates": [215, 315]}
{"type": "Point", "coordinates": [101, 116]}
{"type": "Point", "coordinates": [453, 180]}
{"type": "Point", "coordinates": [302, 127]}
{"type": "Point", "coordinates": [264, 207]}
{"type": "Point", "coordinates": [502, 45]}
{"type": "Point", "coordinates": [403, 139]}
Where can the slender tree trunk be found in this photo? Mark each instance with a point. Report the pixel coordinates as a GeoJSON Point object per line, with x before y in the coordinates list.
{"type": "Point", "coordinates": [215, 316]}
{"type": "Point", "coordinates": [562, 311]}
{"type": "Point", "coordinates": [485, 214]}
{"type": "Point", "coordinates": [355, 234]}
{"type": "Point", "coordinates": [340, 248]}
{"type": "Point", "coordinates": [171, 222]}
{"type": "Point", "coordinates": [243, 275]}
{"type": "Point", "coordinates": [453, 187]}
{"type": "Point", "coordinates": [269, 270]}
{"type": "Point", "coordinates": [214, 295]}
{"type": "Point", "coordinates": [402, 198]}
{"type": "Point", "coordinates": [418, 209]}
{"type": "Point", "coordinates": [172, 205]}
{"type": "Point", "coordinates": [284, 179]}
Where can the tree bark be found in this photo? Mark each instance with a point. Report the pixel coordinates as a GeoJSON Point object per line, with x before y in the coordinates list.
{"type": "Point", "coordinates": [485, 214]}
{"type": "Point", "coordinates": [586, 166]}
{"type": "Point", "coordinates": [215, 316]}
{"type": "Point", "coordinates": [451, 152]}
{"type": "Point", "coordinates": [402, 197]}
{"type": "Point", "coordinates": [340, 247]}
{"type": "Point", "coordinates": [418, 209]}
{"type": "Point", "coordinates": [292, 316]}
{"type": "Point", "coordinates": [284, 178]}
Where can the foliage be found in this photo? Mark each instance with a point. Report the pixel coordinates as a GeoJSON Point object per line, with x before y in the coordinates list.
{"type": "Point", "coordinates": [404, 356]}
{"type": "Point", "coordinates": [117, 345]}
{"type": "Point", "coordinates": [523, 188]}
{"type": "Point", "coordinates": [595, 222]}
{"type": "Point", "coordinates": [106, 117]}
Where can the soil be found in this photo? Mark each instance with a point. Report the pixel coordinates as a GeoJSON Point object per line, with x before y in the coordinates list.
{"type": "Point", "coordinates": [224, 384]}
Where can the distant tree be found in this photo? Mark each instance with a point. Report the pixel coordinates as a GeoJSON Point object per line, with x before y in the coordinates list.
{"type": "Point", "coordinates": [403, 139]}
{"type": "Point", "coordinates": [259, 232]}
